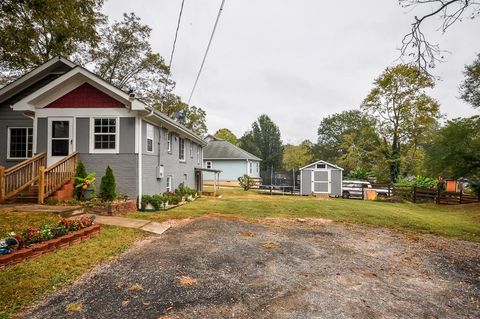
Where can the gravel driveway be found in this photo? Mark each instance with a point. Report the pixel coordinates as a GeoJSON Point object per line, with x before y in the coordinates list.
{"type": "Point", "coordinates": [218, 268]}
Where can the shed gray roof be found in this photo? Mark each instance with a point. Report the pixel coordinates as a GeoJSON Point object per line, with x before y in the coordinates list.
{"type": "Point", "coordinates": [221, 149]}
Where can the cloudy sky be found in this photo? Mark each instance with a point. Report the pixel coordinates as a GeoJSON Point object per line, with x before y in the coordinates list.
{"type": "Point", "coordinates": [295, 60]}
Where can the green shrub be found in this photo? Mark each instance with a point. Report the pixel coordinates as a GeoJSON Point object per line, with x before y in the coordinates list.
{"type": "Point", "coordinates": [108, 186]}
{"type": "Point", "coordinates": [80, 174]}
{"type": "Point", "coordinates": [417, 181]}
{"type": "Point", "coordinates": [246, 182]}
{"type": "Point", "coordinates": [359, 173]}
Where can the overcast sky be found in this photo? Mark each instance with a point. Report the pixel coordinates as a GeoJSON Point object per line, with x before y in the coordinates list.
{"type": "Point", "coordinates": [295, 60]}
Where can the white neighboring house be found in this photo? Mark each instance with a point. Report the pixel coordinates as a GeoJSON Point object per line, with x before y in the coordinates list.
{"type": "Point", "coordinates": [230, 159]}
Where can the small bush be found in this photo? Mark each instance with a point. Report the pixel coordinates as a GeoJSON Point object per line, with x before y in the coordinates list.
{"type": "Point", "coordinates": [108, 186]}
{"type": "Point", "coordinates": [417, 181]}
{"type": "Point", "coordinates": [246, 182]}
{"type": "Point", "coordinates": [80, 174]}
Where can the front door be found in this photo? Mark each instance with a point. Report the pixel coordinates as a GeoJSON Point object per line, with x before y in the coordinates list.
{"type": "Point", "coordinates": [60, 139]}
{"type": "Point", "coordinates": [321, 181]}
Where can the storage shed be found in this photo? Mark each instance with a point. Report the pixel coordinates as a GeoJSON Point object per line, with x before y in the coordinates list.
{"type": "Point", "coordinates": [321, 178]}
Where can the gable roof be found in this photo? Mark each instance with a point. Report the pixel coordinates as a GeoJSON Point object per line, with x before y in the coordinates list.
{"type": "Point", "coordinates": [73, 78]}
{"type": "Point", "coordinates": [322, 162]}
{"type": "Point", "coordinates": [221, 149]}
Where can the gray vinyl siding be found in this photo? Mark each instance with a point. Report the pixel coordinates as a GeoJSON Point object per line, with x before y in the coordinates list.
{"type": "Point", "coordinates": [336, 187]}
{"type": "Point", "coordinates": [306, 182]}
{"type": "Point", "coordinates": [10, 118]}
{"type": "Point", "coordinates": [181, 172]}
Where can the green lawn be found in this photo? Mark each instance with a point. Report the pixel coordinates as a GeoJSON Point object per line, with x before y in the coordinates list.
{"type": "Point", "coordinates": [27, 282]}
{"type": "Point", "coordinates": [462, 221]}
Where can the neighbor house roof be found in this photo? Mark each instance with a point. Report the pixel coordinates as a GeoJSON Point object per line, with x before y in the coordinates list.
{"type": "Point", "coordinates": [221, 149]}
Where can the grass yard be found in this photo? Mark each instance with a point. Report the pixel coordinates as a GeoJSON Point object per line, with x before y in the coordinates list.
{"type": "Point", "coordinates": [461, 221]}
{"type": "Point", "coordinates": [27, 282]}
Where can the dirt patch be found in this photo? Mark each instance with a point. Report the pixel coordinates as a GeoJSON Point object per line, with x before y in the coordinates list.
{"type": "Point", "coordinates": [320, 269]}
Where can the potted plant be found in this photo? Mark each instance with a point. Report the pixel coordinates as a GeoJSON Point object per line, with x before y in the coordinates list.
{"type": "Point", "coordinates": [85, 186]}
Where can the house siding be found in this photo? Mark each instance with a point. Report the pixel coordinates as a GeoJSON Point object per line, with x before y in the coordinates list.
{"type": "Point", "coordinates": [10, 118]}
{"type": "Point", "coordinates": [124, 164]}
{"type": "Point", "coordinates": [231, 169]}
{"type": "Point", "coordinates": [181, 172]}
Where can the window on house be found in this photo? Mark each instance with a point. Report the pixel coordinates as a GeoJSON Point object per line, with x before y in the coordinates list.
{"type": "Point", "coordinates": [258, 167]}
{"type": "Point", "coordinates": [20, 141]}
{"type": "Point", "coordinates": [321, 166]}
{"type": "Point", "coordinates": [250, 167]}
{"type": "Point", "coordinates": [198, 154]}
{"type": "Point", "coordinates": [169, 187]}
{"type": "Point", "coordinates": [149, 138]}
{"type": "Point", "coordinates": [169, 141]}
{"type": "Point", "coordinates": [105, 134]}
{"type": "Point", "coordinates": [208, 164]}
{"type": "Point", "coordinates": [181, 149]}
{"type": "Point", "coordinates": [191, 149]}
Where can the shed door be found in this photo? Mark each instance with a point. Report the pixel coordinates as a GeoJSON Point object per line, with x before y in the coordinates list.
{"type": "Point", "coordinates": [321, 181]}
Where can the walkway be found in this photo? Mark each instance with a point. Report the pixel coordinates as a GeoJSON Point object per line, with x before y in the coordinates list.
{"type": "Point", "coordinates": [146, 225]}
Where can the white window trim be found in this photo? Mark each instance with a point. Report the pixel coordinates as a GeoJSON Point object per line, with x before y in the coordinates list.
{"type": "Point", "coordinates": [8, 142]}
{"type": "Point", "coordinates": [180, 149]}
{"type": "Point", "coordinates": [169, 141]}
{"type": "Point", "coordinates": [191, 149]}
{"type": "Point", "coordinates": [92, 149]}
{"type": "Point", "coordinates": [198, 154]}
{"type": "Point", "coordinates": [208, 162]}
{"type": "Point", "coordinates": [149, 137]}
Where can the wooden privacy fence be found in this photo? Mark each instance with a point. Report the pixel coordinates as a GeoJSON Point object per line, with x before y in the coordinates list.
{"type": "Point", "coordinates": [55, 176]}
{"type": "Point", "coordinates": [21, 176]}
{"type": "Point", "coordinates": [432, 195]}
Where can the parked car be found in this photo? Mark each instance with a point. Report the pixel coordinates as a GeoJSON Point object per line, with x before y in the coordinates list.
{"type": "Point", "coordinates": [354, 189]}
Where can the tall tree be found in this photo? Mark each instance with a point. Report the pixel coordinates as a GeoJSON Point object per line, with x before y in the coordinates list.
{"type": "Point", "coordinates": [32, 31]}
{"type": "Point", "coordinates": [404, 112]}
{"type": "Point", "coordinates": [125, 58]}
{"type": "Point", "coordinates": [470, 88]}
{"type": "Point", "coordinates": [296, 156]}
{"type": "Point", "coordinates": [192, 117]}
{"type": "Point", "coordinates": [227, 135]}
{"type": "Point", "coordinates": [455, 151]}
{"type": "Point", "coordinates": [415, 45]}
{"type": "Point", "coordinates": [264, 141]}
{"type": "Point", "coordinates": [334, 129]}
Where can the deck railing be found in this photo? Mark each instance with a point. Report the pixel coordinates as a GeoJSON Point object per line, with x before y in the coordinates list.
{"type": "Point", "coordinates": [19, 177]}
{"type": "Point", "coordinates": [55, 176]}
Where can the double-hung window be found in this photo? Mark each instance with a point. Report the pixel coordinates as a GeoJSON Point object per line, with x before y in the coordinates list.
{"type": "Point", "coordinates": [191, 149]}
{"type": "Point", "coordinates": [198, 154]}
{"type": "Point", "coordinates": [250, 164]}
{"type": "Point", "coordinates": [149, 138]}
{"type": "Point", "coordinates": [169, 141]}
{"type": "Point", "coordinates": [104, 135]}
{"type": "Point", "coordinates": [181, 149]}
{"type": "Point", "coordinates": [169, 187]}
{"type": "Point", "coordinates": [20, 141]}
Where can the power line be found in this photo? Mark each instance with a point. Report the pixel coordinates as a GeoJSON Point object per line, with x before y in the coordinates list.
{"type": "Point", "coordinates": [206, 51]}
{"type": "Point", "coordinates": [174, 44]}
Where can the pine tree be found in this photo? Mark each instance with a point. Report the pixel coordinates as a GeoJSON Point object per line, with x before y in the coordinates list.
{"type": "Point", "coordinates": [108, 186]}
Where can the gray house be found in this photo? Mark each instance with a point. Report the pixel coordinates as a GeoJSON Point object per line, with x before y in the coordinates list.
{"type": "Point", "coordinates": [61, 110]}
{"type": "Point", "coordinates": [230, 159]}
{"type": "Point", "coordinates": [321, 178]}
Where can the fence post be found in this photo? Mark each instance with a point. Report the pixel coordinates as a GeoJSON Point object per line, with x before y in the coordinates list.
{"type": "Point", "coordinates": [2, 184]}
{"type": "Point", "coordinates": [461, 195]}
{"type": "Point", "coordinates": [389, 194]}
{"type": "Point", "coordinates": [415, 194]}
{"type": "Point", "coordinates": [41, 184]}
{"type": "Point", "coordinates": [439, 193]}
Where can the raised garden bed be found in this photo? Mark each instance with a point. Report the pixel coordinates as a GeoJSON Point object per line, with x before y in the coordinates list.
{"type": "Point", "coordinates": [166, 206]}
{"type": "Point", "coordinates": [44, 247]}
{"type": "Point", "coordinates": [113, 208]}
